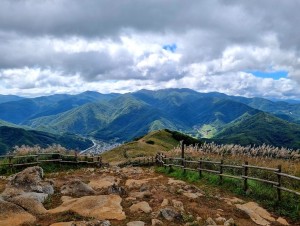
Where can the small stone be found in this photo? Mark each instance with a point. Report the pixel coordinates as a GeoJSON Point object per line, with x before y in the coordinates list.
{"type": "Point", "coordinates": [143, 206]}
{"type": "Point", "coordinates": [220, 219]}
{"type": "Point", "coordinates": [199, 218]}
{"type": "Point", "coordinates": [229, 222]}
{"type": "Point", "coordinates": [178, 205]}
{"type": "Point", "coordinates": [115, 189]}
{"type": "Point", "coordinates": [191, 223]}
{"type": "Point", "coordinates": [105, 223]}
{"type": "Point", "coordinates": [140, 195]}
{"type": "Point", "coordinates": [282, 221]}
{"type": "Point", "coordinates": [170, 214]}
{"type": "Point", "coordinates": [164, 203]}
{"type": "Point", "coordinates": [191, 195]}
{"type": "Point", "coordinates": [130, 199]}
{"type": "Point", "coordinates": [156, 222]}
{"type": "Point", "coordinates": [210, 221]}
{"type": "Point", "coordinates": [136, 223]}
{"type": "Point", "coordinates": [180, 191]}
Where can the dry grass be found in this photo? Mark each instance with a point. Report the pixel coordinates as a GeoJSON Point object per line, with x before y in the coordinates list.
{"type": "Point", "coordinates": [237, 155]}
{"type": "Point", "coordinates": [27, 150]}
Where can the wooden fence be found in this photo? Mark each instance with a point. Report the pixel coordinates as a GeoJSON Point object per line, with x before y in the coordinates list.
{"type": "Point", "coordinates": [204, 166]}
{"type": "Point", "coordinates": [14, 161]}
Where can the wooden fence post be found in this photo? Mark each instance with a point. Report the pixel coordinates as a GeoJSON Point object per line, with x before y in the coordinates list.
{"type": "Point", "coordinates": [170, 165]}
{"type": "Point", "coordinates": [221, 172]}
{"type": "Point", "coordinates": [184, 166]}
{"type": "Point", "coordinates": [200, 166]}
{"type": "Point", "coordinates": [279, 184]}
{"type": "Point", "coordinates": [100, 161]}
{"type": "Point", "coordinates": [245, 178]}
{"type": "Point", "coordinates": [182, 153]}
{"type": "Point", "coordinates": [10, 163]}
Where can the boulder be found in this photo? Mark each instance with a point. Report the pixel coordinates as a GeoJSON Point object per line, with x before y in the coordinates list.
{"type": "Point", "coordinates": [30, 204]}
{"type": "Point", "coordinates": [31, 181]}
{"type": "Point", "coordinates": [11, 214]}
{"type": "Point", "coordinates": [101, 207]}
{"type": "Point", "coordinates": [76, 188]}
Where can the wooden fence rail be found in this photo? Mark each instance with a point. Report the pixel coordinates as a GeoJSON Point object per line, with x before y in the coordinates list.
{"type": "Point", "coordinates": [39, 158]}
{"type": "Point", "coordinates": [160, 160]}
{"type": "Point", "coordinates": [199, 167]}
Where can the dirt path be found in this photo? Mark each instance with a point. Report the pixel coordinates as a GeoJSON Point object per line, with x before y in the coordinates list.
{"type": "Point", "coordinates": [194, 204]}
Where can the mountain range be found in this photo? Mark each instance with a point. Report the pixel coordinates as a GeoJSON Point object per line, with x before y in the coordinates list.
{"type": "Point", "coordinates": [123, 117]}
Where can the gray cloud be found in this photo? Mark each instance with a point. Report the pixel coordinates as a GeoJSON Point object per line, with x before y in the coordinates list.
{"type": "Point", "coordinates": [218, 38]}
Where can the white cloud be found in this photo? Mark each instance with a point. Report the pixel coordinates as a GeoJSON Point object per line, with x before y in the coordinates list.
{"type": "Point", "coordinates": [58, 46]}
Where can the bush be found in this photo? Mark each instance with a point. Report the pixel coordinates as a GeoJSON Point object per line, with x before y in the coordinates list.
{"type": "Point", "coordinates": [150, 142]}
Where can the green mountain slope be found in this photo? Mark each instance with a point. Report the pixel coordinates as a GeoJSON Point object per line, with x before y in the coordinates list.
{"type": "Point", "coordinates": [10, 137]}
{"type": "Point", "coordinates": [261, 128]}
{"type": "Point", "coordinates": [19, 112]}
{"type": "Point", "coordinates": [147, 145]}
{"type": "Point", "coordinates": [8, 98]}
{"type": "Point", "coordinates": [123, 117]}
{"type": "Point", "coordinates": [132, 115]}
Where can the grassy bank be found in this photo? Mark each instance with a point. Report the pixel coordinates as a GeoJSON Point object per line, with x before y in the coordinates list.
{"type": "Point", "coordinates": [264, 194]}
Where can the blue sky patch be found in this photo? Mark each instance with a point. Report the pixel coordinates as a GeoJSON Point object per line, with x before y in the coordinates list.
{"type": "Point", "coordinates": [170, 47]}
{"type": "Point", "coordinates": [273, 74]}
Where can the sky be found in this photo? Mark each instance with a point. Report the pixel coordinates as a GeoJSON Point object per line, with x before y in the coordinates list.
{"type": "Point", "coordinates": [237, 47]}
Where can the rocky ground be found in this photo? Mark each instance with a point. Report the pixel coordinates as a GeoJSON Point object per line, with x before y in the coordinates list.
{"type": "Point", "coordinates": [120, 196]}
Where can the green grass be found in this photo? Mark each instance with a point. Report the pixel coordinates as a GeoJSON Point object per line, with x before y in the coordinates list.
{"type": "Point", "coordinates": [262, 193]}
{"type": "Point", "coordinates": [47, 167]}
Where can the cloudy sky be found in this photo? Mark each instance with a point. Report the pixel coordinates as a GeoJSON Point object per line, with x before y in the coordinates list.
{"type": "Point", "coordinates": [238, 47]}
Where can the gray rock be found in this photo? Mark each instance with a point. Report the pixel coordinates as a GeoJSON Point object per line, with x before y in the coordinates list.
{"type": "Point", "coordinates": [115, 189]}
{"type": "Point", "coordinates": [170, 214]}
{"type": "Point", "coordinates": [28, 203]}
{"type": "Point", "coordinates": [105, 223]}
{"type": "Point", "coordinates": [30, 180]}
{"type": "Point", "coordinates": [39, 197]}
{"type": "Point", "coordinates": [76, 188]}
